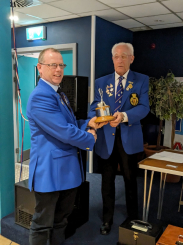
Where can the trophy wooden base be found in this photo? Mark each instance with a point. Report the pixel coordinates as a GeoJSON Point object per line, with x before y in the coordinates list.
{"type": "Point", "coordinates": [104, 119]}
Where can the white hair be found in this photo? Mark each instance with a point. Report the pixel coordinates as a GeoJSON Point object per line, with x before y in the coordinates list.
{"type": "Point", "coordinates": [128, 45]}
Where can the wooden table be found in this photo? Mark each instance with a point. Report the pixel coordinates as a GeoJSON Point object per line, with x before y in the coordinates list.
{"type": "Point", "coordinates": [5, 241]}
{"type": "Point", "coordinates": [158, 166]}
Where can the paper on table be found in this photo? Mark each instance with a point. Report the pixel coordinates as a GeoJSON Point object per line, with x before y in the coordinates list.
{"type": "Point", "coordinates": [168, 156]}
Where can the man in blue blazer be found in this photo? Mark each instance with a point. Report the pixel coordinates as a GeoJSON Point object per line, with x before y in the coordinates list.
{"type": "Point", "coordinates": [55, 170]}
{"type": "Point", "coordinates": [126, 92]}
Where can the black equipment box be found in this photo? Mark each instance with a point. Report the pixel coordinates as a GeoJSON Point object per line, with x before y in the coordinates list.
{"type": "Point", "coordinates": [76, 90]}
{"type": "Point", "coordinates": [25, 204]}
{"type": "Point", "coordinates": [137, 232]}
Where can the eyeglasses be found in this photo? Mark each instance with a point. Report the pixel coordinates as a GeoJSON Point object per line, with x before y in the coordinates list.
{"type": "Point", "coordinates": [123, 57]}
{"type": "Point", "coordinates": [54, 66]}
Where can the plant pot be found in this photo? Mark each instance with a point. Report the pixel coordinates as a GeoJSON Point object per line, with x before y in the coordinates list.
{"type": "Point", "coordinates": [172, 178]}
{"type": "Point", "coordinates": [149, 151]}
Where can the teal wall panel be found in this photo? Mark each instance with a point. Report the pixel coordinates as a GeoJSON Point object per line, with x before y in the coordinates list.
{"type": "Point", "coordinates": [7, 171]}
{"type": "Point", "coordinates": [67, 58]}
{"type": "Point", "coordinates": [26, 71]}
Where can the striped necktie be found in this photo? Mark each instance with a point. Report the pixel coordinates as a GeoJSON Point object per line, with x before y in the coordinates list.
{"type": "Point", "coordinates": [119, 94]}
{"type": "Point", "coordinates": [64, 98]}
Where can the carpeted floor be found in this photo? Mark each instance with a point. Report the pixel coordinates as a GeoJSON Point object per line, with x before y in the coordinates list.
{"type": "Point", "coordinates": [88, 234]}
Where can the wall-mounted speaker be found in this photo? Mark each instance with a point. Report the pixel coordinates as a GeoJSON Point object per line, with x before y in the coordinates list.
{"type": "Point", "coordinates": [76, 90]}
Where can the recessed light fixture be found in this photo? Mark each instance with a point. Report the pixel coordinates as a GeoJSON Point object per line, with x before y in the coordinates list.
{"type": "Point", "coordinates": [13, 17]}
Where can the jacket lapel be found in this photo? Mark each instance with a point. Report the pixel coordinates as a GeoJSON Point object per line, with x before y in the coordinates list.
{"type": "Point", "coordinates": [110, 92]}
{"type": "Point", "coordinates": [128, 90]}
{"type": "Point", "coordinates": [61, 103]}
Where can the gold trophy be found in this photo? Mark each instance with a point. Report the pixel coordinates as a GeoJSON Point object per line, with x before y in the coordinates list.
{"type": "Point", "coordinates": [103, 111]}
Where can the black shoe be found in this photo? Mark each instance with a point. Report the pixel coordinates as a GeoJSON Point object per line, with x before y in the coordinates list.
{"type": "Point", "coordinates": [105, 228]}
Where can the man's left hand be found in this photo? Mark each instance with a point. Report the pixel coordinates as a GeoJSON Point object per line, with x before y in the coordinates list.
{"type": "Point", "coordinates": [119, 117]}
{"type": "Point", "coordinates": [95, 125]}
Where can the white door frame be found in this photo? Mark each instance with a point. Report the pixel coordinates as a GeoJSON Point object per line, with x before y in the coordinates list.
{"type": "Point", "coordinates": [36, 49]}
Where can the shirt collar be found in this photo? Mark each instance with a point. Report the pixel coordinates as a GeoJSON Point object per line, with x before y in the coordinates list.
{"type": "Point", "coordinates": [55, 87]}
{"type": "Point", "coordinates": [117, 75]}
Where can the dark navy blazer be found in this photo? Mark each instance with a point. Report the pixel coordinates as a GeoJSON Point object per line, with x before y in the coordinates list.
{"type": "Point", "coordinates": [131, 132]}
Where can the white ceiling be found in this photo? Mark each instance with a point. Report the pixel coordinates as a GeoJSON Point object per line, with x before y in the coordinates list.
{"type": "Point", "coordinates": [135, 15]}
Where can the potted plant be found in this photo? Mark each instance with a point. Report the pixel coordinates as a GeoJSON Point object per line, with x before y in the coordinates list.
{"type": "Point", "coordinates": [166, 101]}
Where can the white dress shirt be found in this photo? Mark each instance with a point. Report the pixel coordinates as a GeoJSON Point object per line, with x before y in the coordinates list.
{"type": "Point", "coordinates": [55, 87]}
{"type": "Point", "coordinates": [124, 84]}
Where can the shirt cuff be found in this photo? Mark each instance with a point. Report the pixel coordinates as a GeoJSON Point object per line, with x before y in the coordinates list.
{"type": "Point", "coordinates": [125, 119]}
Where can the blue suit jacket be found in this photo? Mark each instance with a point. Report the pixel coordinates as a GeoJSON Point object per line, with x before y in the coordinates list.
{"type": "Point", "coordinates": [55, 139]}
{"type": "Point", "coordinates": [131, 132]}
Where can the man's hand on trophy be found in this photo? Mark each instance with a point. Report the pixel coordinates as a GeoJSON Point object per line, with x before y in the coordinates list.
{"type": "Point", "coordinates": [92, 131]}
{"type": "Point", "coordinates": [119, 118]}
{"type": "Point", "coordinates": [95, 125]}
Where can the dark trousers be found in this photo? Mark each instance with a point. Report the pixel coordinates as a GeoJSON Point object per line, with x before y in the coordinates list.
{"type": "Point", "coordinates": [128, 166]}
{"type": "Point", "coordinates": [50, 218]}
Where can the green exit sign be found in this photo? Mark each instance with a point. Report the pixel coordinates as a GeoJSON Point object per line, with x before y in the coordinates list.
{"type": "Point", "coordinates": [35, 33]}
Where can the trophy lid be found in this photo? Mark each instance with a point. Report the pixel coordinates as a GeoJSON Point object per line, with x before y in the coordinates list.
{"type": "Point", "coordinates": [101, 103]}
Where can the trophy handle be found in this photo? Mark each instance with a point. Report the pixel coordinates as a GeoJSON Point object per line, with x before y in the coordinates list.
{"type": "Point", "coordinates": [101, 94]}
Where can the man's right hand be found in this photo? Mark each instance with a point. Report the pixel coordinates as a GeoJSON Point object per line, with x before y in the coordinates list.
{"type": "Point", "coordinates": [92, 131]}
{"type": "Point", "coordinates": [95, 125]}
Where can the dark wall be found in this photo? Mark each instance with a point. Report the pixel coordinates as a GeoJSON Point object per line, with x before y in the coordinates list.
{"type": "Point", "coordinates": [62, 32]}
{"type": "Point", "coordinates": [168, 53]}
{"type": "Point", "coordinates": [107, 34]}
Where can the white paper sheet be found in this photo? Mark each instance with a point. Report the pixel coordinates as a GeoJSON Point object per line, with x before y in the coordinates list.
{"type": "Point", "coordinates": [168, 156]}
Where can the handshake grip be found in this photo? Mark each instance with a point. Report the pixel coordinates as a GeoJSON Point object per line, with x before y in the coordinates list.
{"type": "Point", "coordinates": [93, 131]}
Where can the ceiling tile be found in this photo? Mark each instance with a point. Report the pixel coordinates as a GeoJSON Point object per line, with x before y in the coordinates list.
{"type": "Point", "coordinates": [109, 15]}
{"type": "Point", "coordinates": [24, 19]}
{"type": "Point", "coordinates": [144, 10]}
{"type": "Point", "coordinates": [180, 14]}
{"type": "Point", "coordinates": [72, 16]}
{"type": "Point", "coordinates": [122, 3]}
{"type": "Point", "coordinates": [48, 1]}
{"type": "Point", "coordinates": [174, 5]}
{"type": "Point", "coordinates": [159, 19]}
{"type": "Point", "coordinates": [44, 11]}
{"type": "Point", "coordinates": [79, 6]}
{"type": "Point", "coordinates": [167, 26]}
{"type": "Point", "coordinates": [128, 23]}
{"type": "Point", "coordinates": [16, 25]}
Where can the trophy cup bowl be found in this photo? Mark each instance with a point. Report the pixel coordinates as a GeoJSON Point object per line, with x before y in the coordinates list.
{"type": "Point", "coordinates": [103, 111]}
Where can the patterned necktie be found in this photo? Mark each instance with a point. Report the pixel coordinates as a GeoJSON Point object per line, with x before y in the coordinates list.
{"type": "Point", "coordinates": [64, 98]}
{"type": "Point", "coordinates": [119, 94]}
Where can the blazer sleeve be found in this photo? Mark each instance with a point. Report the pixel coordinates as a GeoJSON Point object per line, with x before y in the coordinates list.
{"type": "Point", "coordinates": [141, 110]}
{"type": "Point", "coordinates": [47, 114]}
